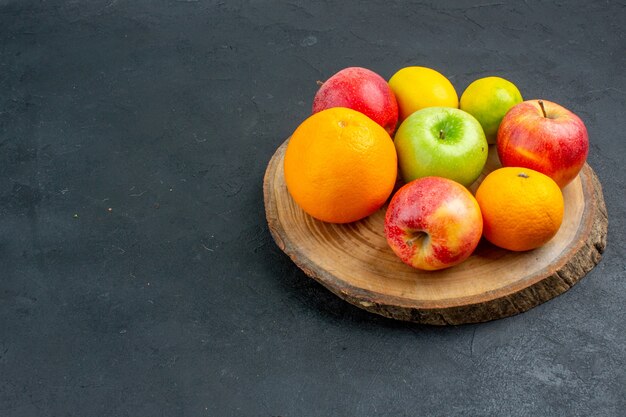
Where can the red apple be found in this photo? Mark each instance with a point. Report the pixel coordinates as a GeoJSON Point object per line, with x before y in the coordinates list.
{"type": "Point", "coordinates": [543, 136]}
{"type": "Point", "coordinates": [433, 223]}
{"type": "Point", "coordinates": [362, 90]}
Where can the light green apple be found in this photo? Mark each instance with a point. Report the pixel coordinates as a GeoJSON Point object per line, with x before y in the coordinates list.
{"type": "Point", "coordinates": [441, 142]}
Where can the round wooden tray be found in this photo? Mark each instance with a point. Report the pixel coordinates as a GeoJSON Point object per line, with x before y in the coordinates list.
{"type": "Point", "coordinates": [354, 261]}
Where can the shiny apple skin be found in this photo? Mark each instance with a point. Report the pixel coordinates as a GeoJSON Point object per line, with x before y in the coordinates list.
{"type": "Point", "coordinates": [362, 90]}
{"type": "Point", "coordinates": [556, 145]}
{"type": "Point", "coordinates": [433, 223]}
{"type": "Point", "coordinates": [442, 142]}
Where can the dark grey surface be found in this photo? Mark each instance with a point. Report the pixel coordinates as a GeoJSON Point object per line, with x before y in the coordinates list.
{"type": "Point", "coordinates": [177, 302]}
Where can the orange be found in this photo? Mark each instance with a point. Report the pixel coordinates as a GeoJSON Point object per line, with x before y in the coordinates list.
{"type": "Point", "coordinates": [522, 209]}
{"type": "Point", "coordinates": [340, 165]}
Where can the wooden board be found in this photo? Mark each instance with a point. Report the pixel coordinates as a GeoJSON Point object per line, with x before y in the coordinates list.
{"type": "Point", "coordinates": [354, 261]}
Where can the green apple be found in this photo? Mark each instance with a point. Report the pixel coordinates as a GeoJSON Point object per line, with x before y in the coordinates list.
{"type": "Point", "coordinates": [442, 142]}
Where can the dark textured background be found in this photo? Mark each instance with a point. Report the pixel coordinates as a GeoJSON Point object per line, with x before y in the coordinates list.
{"type": "Point", "coordinates": [176, 301]}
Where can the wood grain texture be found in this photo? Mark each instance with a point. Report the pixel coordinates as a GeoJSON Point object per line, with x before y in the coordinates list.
{"type": "Point", "coordinates": [354, 261]}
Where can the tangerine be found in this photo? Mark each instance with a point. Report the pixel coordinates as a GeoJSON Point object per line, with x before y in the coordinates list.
{"type": "Point", "coordinates": [340, 166]}
{"type": "Point", "coordinates": [522, 208]}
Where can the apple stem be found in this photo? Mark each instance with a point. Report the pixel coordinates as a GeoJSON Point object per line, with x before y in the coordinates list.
{"type": "Point", "coordinates": [542, 108]}
{"type": "Point", "coordinates": [442, 135]}
{"type": "Point", "coordinates": [419, 237]}
{"type": "Point", "coordinates": [319, 83]}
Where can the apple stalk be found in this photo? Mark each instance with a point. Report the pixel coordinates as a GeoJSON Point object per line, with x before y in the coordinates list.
{"type": "Point", "coordinates": [543, 109]}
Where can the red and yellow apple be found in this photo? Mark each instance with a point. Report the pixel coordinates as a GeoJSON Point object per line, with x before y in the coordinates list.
{"type": "Point", "coordinates": [362, 90]}
{"type": "Point", "coordinates": [433, 223]}
{"type": "Point", "coordinates": [543, 136]}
